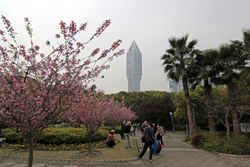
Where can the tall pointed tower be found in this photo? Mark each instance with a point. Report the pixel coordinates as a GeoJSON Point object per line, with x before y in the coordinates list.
{"type": "Point", "coordinates": [134, 68]}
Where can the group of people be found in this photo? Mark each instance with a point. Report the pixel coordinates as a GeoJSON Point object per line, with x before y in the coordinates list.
{"type": "Point", "coordinates": [125, 134]}
{"type": "Point", "coordinates": [127, 130]}
{"type": "Point", "coordinates": [149, 130]}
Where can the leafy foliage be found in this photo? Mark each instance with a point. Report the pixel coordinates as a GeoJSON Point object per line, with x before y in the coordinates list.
{"type": "Point", "coordinates": [197, 139]}
{"type": "Point", "coordinates": [134, 99]}
{"type": "Point", "coordinates": [237, 144]}
{"type": "Point", "coordinates": [222, 134]}
{"type": "Point", "coordinates": [59, 136]}
{"type": "Point", "coordinates": [197, 98]}
{"type": "Point", "coordinates": [156, 110]}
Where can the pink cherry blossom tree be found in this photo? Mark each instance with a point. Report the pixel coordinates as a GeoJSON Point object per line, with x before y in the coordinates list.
{"type": "Point", "coordinates": [94, 109]}
{"type": "Point", "coordinates": [88, 109]}
{"type": "Point", "coordinates": [37, 89]}
{"type": "Point", "coordinates": [118, 112]}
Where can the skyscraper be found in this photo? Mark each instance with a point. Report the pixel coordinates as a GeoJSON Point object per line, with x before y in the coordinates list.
{"type": "Point", "coordinates": [134, 68]}
{"type": "Point", "coordinates": [175, 86]}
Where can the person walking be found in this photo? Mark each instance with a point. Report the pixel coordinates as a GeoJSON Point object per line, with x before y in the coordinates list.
{"type": "Point", "coordinates": [149, 140]}
{"type": "Point", "coordinates": [111, 139]}
{"type": "Point", "coordinates": [122, 129]}
{"type": "Point", "coordinates": [159, 134]}
{"type": "Point", "coordinates": [127, 134]}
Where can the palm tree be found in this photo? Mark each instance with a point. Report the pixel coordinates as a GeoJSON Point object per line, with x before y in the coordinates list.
{"type": "Point", "coordinates": [204, 71]}
{"type": "Point", "coordinates": [177, 62]}
{"type": "Point", "coordinates": [230, 62]}
{"type": "Point", "coordinates": [246, 52]}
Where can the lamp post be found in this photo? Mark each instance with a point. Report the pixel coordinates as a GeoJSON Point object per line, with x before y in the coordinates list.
{"type": "Point", "coordinates": [172, 118]}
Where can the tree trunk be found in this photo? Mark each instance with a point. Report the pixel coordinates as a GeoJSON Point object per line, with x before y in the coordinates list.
{"type": "Point", "coordinates": [228, 128]}
{"type": "Point", "coordinates": [211, 123]}
{"type": "Point", "coordinates": [192, 127]}
{"type": "Point", "coordinates": [30, 152]}
{"type": "Point", "coordinates": [89, 143]}
{"type": "Point", "coordinates": [236, 127]}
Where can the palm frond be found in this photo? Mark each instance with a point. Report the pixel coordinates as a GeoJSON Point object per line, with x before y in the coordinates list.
{"type": "Point", "coordinates": [192, 43]}
{"type": "Point", "coordinates": [173, 42]}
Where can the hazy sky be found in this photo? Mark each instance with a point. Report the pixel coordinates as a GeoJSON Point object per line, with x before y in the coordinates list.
{"type": "Point", "coordinates": [149, 22]}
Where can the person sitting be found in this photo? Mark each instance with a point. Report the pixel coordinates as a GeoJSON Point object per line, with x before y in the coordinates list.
{"type": "Point", "coordinates": [64, 125]}
{"type": "Point", "coordinates": [111, 139]}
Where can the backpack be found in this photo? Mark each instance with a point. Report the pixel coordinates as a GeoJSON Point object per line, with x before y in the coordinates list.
{"type": "Point", "coordinates": [158, 146]}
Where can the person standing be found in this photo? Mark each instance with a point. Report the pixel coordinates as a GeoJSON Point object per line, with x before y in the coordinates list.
{"type": "Point", "coordinates": [127, 134]}
{"type": "Point", "coordinates": [131, 130]}
{"type": "Point", "coordinates": [138, 126]}
{"type": "Point", "coordinates": [122, 129]}
{"type": "Point", "coordinates": [148, 132]}
{"type": "Point", "coordinates": [155, 128]}
{"type": "Point", "coordinates": [159, 134]}
{"type": "Point", "coordinates": [134, 127]}
{"type": "Point", "coordinates": [143, 127]}
{"type": "Point", "coordinates": [111, 139]}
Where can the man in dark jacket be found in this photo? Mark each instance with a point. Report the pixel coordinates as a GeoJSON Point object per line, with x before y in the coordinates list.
{"type": "Point", "coordinates": [148, 132]}
{"type": "Point", "coordinates": [122, 129]}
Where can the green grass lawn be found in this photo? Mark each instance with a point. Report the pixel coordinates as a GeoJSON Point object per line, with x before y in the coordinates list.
{"type": "Point", "coordinates": [119, 152]}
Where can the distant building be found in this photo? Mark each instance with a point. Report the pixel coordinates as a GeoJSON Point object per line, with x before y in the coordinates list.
{"type": "Point", "coordinates": [134, 68]}
{"type": "Point", "coordinates": [175, 86]}
{"type": "Point", "coordinates": [178, 86]}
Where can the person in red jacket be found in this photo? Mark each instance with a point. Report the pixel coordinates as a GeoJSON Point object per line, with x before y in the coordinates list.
{"type": "Point", "coordinates": [111, 139]}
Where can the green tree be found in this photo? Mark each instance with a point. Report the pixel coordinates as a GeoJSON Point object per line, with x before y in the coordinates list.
{"type": "Point", "coordinates": [230, 62]}
{"type": "Point", "coordinates": [156, 110]}
{"type": "Point", "coordinates": [177, 63]}
{"type": "Point", "coordinates": [198, 99]}
{"type": "Point", "coordinates": [205, 72]}
{"type": "Point", "coordinates": [246, 51]}
{"type": "Point", "coordinates": [136, 98]}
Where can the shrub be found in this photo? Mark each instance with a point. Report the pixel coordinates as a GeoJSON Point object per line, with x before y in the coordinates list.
{"type": "Point", "coordinates": [237, 144]}
{"type": "Point", "coordinates": [108, 128]}
{"type": "Point", "coordinates": [70, 135]}
{"type": "Point", "coordinates": [196, 140]}
{"type": "Point", "coordinates": [61, 147]}
{"type": "Point", "coordinates": [180, 127]}
{"type": "Point", "coordinates": [212, 142]}
{"type": "Point", "coordinates": [58, 136]}
{"type": "Point", "coordinates": [11, 136]}
{"type": "Point", "coordinates": [248, 135]}
{"type": "Point", "coordinates": [222, 134]}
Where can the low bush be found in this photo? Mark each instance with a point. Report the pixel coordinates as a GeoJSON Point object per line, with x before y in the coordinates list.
{"type": "Point", "coordinates": [61, 147]}
{"type": "Point", "coordinates": [212, 142]}
{"type": "Point", "coordinates": [108, 128]}
{"type": "Point", "coordinates": [248, 135]}
{"type": "Point", "coordinates": [59, 136]}
{"type": "Point", "coordinates": [180, 127]}
{"type": "Point", "coordinates": [11, 136]}
{"type": "Point", "coordinates": [235, 144]}
{"type": "Point", "coordinates": [222, 134]}
{"type": "Point", "coordinates": [196, 140]}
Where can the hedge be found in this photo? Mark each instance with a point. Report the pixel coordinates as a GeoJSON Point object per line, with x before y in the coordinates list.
{"type": "Point", "coordinates": [108, 128]}
{"type": "Point", "coordinates": [52, 135]}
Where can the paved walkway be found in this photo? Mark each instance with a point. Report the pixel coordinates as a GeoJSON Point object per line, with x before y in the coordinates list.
{"type": "Point", "coordinates": [175, 153]}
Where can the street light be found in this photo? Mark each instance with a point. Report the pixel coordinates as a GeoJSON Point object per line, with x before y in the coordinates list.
{"type": "Point", "coordinates": [172, 117]}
